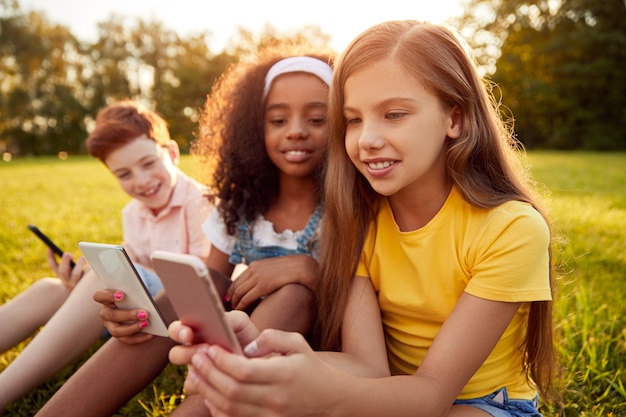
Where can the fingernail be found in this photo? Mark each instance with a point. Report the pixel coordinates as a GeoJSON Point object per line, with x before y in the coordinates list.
{"type": "Point", "coordinates": [118, 295]}
{"type": "Point", "coordinates": [142, 315]}
{"type": "Point", "coordinates": [143, 324]}
{"type": "Point", "coordinates": [226, 297]}
{"type": "Point", "coordinates": [251, 349]}
{"type": "Point", "coordinates": [196, 360]}
{"type": "Point", "coordinates": [212, 352]}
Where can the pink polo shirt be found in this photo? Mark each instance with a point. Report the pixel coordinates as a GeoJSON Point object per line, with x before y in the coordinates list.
{"type": "Point", "coordinates": [177, 228]}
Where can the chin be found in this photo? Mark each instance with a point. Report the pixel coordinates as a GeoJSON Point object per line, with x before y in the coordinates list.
{"type": "Point", "coordinates": [384, 191]}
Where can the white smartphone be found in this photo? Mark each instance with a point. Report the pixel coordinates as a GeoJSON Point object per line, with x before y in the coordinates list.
{"type": "Point", "coordinates": [114, 268]}
{"type": "Point", "coordinates": [195, 298]}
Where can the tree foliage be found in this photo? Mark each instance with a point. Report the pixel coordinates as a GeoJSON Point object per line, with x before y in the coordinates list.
{"type": "Point", "coordinates": [53, 84]}
{"type": "Point", "coordinates": [560, 67]}
{"type": "Point", "coordinates": [558, 63]}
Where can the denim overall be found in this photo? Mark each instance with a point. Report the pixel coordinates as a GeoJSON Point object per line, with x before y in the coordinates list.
{"type": "Point", "coordinates": [246, 252]}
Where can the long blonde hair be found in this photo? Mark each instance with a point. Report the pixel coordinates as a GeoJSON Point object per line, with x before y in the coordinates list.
{"type": "Point", "coordinates": [481, 163]}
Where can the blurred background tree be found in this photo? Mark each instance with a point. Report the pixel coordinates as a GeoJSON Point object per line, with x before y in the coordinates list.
{"type": "Point", "coordinates": [52, 84]}
{"type": "Point", "coordinates": [559, 65]}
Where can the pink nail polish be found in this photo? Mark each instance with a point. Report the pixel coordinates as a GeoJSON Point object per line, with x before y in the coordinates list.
{"type": "Point", "coordinates": [226, 297]}
{"type": "Point", "coordinates": [143, 324]}
{"type": "Point", "coordinates": [118, 295]}
{"type": "Point", "coordinates": [142, 315]}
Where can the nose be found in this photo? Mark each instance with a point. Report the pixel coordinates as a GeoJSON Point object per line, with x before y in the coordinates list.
{"type": "Point", "coordinates": [298, 130]}
{"type": "Point", "coordinates": [141, 178]}
{"type": "Point", "coordinates": [370, 137]}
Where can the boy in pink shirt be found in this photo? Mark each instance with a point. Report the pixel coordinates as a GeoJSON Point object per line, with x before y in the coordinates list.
{"type": "Point", "coordinates": [166, 212]}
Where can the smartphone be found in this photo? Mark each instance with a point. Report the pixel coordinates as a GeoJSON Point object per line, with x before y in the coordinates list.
{"type": "Point", "coordinates": [195, 298]}
{"type": "Point", "coordinates": [114, 268]}
{"type": "Point", "coordinates": [45, 239]}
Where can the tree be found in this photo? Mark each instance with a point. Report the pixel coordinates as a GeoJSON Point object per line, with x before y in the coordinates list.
{"type": "Point", "coordinates": [182, 71]}
{"type": "Point", "coordinates": [38, 115]}
{"type": "Point", "coordinates": [559, 65]}
{"type": "Point", "coordinates": [52, 85]}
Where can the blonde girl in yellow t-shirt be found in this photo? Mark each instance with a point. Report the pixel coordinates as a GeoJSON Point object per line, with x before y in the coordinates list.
{"type": "Point", "coordinates": [435, 286]}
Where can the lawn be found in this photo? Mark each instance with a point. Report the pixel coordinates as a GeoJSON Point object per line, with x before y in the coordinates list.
{"type": "Point", "coordinates": [77, 199]}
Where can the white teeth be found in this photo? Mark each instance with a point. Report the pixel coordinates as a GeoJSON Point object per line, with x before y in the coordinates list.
{"type": "Point", "coordinates": [152, 191]}
{"type": "Point", "coordinates": [296, 152]}
{"type": "Point", "coordinates": [379, 165]}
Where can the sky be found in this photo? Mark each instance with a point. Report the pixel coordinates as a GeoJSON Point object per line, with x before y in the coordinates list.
{"type": "Point", "coordinates": [341, 19]}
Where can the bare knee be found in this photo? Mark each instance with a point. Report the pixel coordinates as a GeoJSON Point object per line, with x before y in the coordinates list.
{"type": "Point", "coordinates": [295, 294]}
{"type": "Point", "coordinates": [289, 308]}
{"type": "Point", "coordinates": [50, 288]}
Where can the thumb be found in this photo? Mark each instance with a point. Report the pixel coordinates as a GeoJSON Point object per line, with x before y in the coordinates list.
{"type": "Point", "coordinates": [272, 341]}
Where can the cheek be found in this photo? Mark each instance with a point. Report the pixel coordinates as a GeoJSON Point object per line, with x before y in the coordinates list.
{"type": "Point", "coordinates": [320, 138]}
{"type": "Point", "coordinates": [169, 173]}
{"type": "Point", "coordinates": [126, 186]}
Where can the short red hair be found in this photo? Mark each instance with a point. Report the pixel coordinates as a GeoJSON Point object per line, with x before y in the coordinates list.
{"type": "Point", "coordinates": [120, 124]}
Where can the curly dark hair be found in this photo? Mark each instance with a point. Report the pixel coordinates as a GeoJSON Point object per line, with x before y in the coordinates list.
{"type": "Point", "coordinates": [230, 141]}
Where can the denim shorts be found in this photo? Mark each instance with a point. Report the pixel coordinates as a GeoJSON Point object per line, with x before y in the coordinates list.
{"type": "Point", "coordinates": [150, 279]}
{"type": "Point", "coordinates": [498, 404]}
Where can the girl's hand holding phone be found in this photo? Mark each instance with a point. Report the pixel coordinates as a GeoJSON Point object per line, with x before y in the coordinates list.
{"type": "Point", "coordinates": [183, 354]}
{"type": "Point", "coordinates": [245, 331]}
{"type": "Point", "coordinates": [234, 385]}
{"type": "Point", "coordinates": [123, 324]}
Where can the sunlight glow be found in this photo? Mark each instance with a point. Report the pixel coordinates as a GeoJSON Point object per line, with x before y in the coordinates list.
{"type": "Point", "coordinates": [342, 20]}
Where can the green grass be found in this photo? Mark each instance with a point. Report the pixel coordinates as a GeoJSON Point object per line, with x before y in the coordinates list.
{"type": "Point", "coordinates": [78, 199]}
{"type": "Point", "coordinates": [72, 200]}
{"type": "Point", "coordinates": [587, 198]}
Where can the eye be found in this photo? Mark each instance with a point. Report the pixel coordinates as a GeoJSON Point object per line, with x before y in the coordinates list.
{"type": "Point", "coordinates": [353, 120]}
{"type": "Point", "coordinates": [278, 121]}
{"type": "Point", "coordinates": [123, 175]}
{"type": "Point", "coordinates": [395, 115]}
{"type": "Point", "coordinates": [318, 120]}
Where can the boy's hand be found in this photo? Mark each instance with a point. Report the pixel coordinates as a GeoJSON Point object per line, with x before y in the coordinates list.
{"type": "Point", "coordinates": [122, 324]}
{"type": "Point", "coordinates": [69, 276]}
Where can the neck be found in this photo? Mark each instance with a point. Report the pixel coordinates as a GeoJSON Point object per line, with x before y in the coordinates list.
{"type": "Point", "coordinates": [296, 201]}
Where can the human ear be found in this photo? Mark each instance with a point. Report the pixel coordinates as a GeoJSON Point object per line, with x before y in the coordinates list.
{"type": "Point", "coordinates": [455, 123]}
{"type": "Point", "coordinates": [174, 151]}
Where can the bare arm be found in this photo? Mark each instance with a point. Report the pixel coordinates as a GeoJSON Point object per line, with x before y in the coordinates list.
{"type": "Point", "coordinates": [265, 276]}
{"type": "Point", "coordinates": [299, 383]}
{"type": "Point", "coordinates": [363, 350]}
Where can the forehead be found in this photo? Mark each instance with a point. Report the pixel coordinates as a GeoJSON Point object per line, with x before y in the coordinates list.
{"type": "Point", "coordinates": [380, 80]}
{"type": "Point", "coordinates": [132, 152]}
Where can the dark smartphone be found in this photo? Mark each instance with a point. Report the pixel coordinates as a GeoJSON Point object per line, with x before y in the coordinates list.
{"type": "Point", "coordinates": [57, 250]}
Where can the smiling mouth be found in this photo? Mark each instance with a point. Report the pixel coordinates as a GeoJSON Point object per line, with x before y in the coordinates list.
{"type": "Point", "coordinates": [379, 165]}
{"type": "Point", "coordinates": [297, 156]}
{"type": "Point", "coordinates": [151, 192]}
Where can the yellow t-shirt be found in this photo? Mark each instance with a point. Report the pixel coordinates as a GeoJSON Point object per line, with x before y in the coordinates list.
{"type": "Point", "coordinates": [497, 254]}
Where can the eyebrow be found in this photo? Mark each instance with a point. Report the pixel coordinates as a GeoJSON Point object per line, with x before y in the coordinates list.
{"type": "Point", "coordinates": [387, 102]}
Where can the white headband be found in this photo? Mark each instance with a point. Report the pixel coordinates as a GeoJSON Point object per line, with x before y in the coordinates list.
{"type": "Point", "coordinates": [298, 64]}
